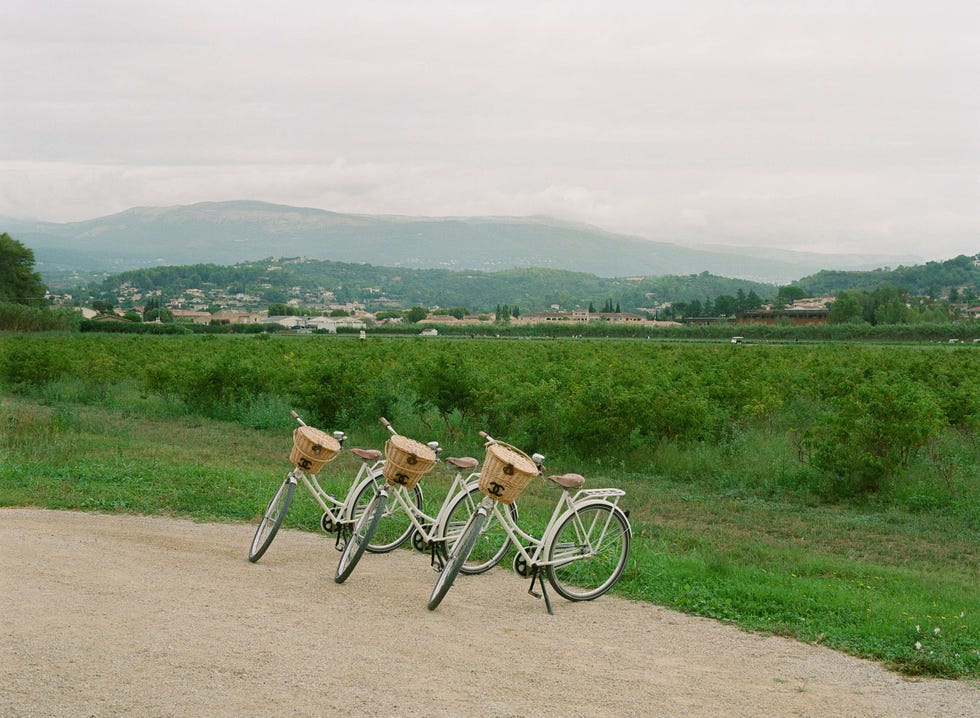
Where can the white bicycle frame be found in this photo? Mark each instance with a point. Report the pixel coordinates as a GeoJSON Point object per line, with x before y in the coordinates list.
{"type": "Point", "coordinates": [568, 504]}
{"type": "Point", "coordinates": [338, 511]}
{"type": "Point", "coordinates": [588, 536]}
{"type": "Point", "coordinates": [418, 517]}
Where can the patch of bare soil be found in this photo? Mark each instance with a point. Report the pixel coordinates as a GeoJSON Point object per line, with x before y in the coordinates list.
{"type": "Point", "coordinates": [124, 615]}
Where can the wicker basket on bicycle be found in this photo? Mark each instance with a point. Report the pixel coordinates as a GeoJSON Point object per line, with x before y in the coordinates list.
{"type": "Point", "coordinates": [312, 449]}
{"type": "Point", "coordinates": [506, 471]}
{"type": "Point", "coordinates": [406, 461]}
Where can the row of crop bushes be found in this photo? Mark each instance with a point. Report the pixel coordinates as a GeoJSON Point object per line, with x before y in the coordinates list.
{"type": "Point", "coordinates": [856, 414]}
{"type": "Point", "coordinates": [24, 318]}
{"type": "Point", "coordinates": [965, 331]}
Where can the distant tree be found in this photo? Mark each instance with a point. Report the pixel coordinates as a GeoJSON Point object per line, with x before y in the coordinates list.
{"type": "Point", "coordinates": [102, 307]}
{"type": "Point", "coordinates": [725, 305]}
{"type": "Point", "coordinates": [339, 313]}
{"type": "Point", "coordinates": [846, 309]}
{"type": "Point", "coordinates": [416, 314]}
{"type": "Point", "coordinates": [741, 301]}
{"type": "Point", "coordinates": [787, 295]}
{"type": "Point", "coordinates": [152, 305]}
{"type": "Point", "coordinates": [19, 283]}
{"type": "Point", "coordinates": [591, 308]}
{"type": "Point", "coordinates": [458, 312]}
{"type": "Point", "coordinates": [889, 305]}
{"type": "Point", "coordinates": [155, 311]}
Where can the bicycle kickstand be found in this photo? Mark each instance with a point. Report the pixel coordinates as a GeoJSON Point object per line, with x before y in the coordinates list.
{"type": "Point", "coordinates": [343, 534]}
{"type": "Point", "coordinates": [436, 561]}
{"type": "Point", "coordinates": [536, 576]}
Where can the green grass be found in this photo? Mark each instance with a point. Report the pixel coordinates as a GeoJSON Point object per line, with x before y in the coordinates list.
{"type": "Point", "coordinates": [719, 532]}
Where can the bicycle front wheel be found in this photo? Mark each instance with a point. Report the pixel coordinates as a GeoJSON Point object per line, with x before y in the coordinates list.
{"type": "Point", "coordinates": [588, 551]}
{"type": "Point", "coordinates": [457, 555]}
{"type": "Point", "coordinates": [395, 526]}
{"type": "Point", "coordinates": [364, 528]}
{"type": "Point", "coordinates": [275, 512]}
{"type": "Point", "coordinates": [491, 544]}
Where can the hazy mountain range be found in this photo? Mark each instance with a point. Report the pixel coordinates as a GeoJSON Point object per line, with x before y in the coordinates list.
{"type": "Point", "coordinates": [231, 232]}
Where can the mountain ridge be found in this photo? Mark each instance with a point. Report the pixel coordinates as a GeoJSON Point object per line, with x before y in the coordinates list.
{"type": "Point", "coordinates": [230, 232]}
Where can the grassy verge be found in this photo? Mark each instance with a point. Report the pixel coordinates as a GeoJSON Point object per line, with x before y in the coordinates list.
{"type": "Point", "coordinates": [882, 583]}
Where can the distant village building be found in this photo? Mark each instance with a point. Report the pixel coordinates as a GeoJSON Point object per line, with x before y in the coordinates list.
{"type": "Point", "coordinates": [811, 310]}
{"type": "Point", "coordinates": [192, 316]}
{"type": "Point", "coordinates": [238, 316]}
{"type": "Point", "coordinates": [579, 315]}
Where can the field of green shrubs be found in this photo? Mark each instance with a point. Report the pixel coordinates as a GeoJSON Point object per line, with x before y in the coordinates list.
{"type": "Point", "coordinates": [829, 492]}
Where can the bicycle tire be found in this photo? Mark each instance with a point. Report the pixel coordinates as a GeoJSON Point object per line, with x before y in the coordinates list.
{"type": "Point", "coordinates": [395, 526]}
{"type": "Point", "coordinates": [457, 555]}
{"type": "Point", "coordinates": [492, 543]}
{"type": "Point", "coordinates": [364, 528]}
{"type": "Point", "coordinates": [579, 574]}
{"type": "Point", "coordinates": [272, 519]}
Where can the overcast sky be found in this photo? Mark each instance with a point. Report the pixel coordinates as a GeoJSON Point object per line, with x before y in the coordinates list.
{"type": "Point", "coordinates": [847, 126]}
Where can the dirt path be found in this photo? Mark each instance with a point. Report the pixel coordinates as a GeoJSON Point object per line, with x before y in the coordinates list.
{"type": "Point", "coordinates": [118, 615]}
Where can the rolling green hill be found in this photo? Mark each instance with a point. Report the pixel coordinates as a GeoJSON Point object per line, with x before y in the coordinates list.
{"type": "Point", "coordinates": [380, 287]}
{"type": "Point", "coordinates": [931, 279]}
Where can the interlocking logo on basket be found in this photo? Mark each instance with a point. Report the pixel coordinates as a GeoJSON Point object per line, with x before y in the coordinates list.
{"type": "Point", "coordinates": [402, 479]}
{"type": "Point", "coordinates": [495, 489]}
{"type": "Point", "coordinates": [304, 463]}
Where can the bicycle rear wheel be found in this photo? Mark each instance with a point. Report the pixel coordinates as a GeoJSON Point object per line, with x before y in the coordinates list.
{"type": "Point", "coordinates": [275, 512]}
{"type": "Point", "coordinates": [491, 544]}
{"type": "Point", "coordinates": [588, 551]}
{"type": "Point", "coordinates": [457, 555]}
{"type": "Point", "coordinates": [364, 528]}
{"type": "Point", "coordinates": [395, 526]}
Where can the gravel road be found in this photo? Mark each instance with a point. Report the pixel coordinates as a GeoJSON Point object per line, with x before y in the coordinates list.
{"type": "Point", "coordinates": [106, 615]}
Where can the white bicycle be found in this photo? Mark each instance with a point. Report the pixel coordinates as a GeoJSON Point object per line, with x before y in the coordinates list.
{"type": "Point", "coordinates": [395, 512]}
{"type": "Point", "coordinates": [339, 512]}
{"type": "Point", "coordinates": [583, 550]}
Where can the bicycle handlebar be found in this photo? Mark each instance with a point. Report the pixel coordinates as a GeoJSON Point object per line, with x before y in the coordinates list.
{"type": "Point", "coordinates": [537, 458]}
{"type": "Point", "coordinates": [387, 424]}
{"type": "Point", "coordinates": [296, 416]}
{"type": "Point", "coordinates": [434, 445]}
